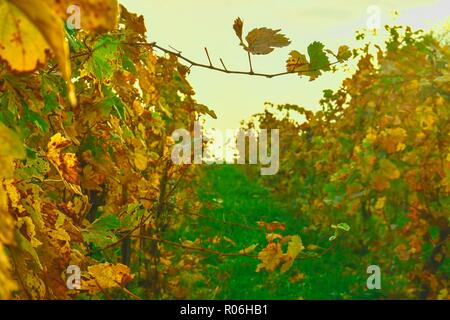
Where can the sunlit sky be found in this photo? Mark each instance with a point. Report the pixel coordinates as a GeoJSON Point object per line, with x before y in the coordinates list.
{"type": "Point", "coordinates": [191, 25]}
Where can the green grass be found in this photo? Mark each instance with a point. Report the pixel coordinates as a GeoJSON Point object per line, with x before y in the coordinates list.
{"type": "Point", "coordinates": [229, 198]}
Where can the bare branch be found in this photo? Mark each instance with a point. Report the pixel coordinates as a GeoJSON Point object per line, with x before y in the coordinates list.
{"type": "Point", "coordinates": [223, 69]}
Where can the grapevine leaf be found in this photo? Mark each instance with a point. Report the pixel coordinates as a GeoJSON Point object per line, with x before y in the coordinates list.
{"type": "Point", "coordinates": [104, 59]}
{"type": "Point", "coordinates": [318, 60]}
{"type": "Point", "coordinates": [31, 31]}
{"type": "Point", "coordinates": [100, 232]}
{"type": "Point", "coordinates": [66, 164]}
{"type": "Point", "coordinates": [271, 256]}
{"type": "Point", "coordinates": [295, 246]}
{"type": "Point", "coordinates": [264, 40]}
{"type": "Point", "coordinates": [297, 62]}
{"type": "Point", "coordinates": [106, 276]}
{"type": "Point", "coordinates": [344, 53]}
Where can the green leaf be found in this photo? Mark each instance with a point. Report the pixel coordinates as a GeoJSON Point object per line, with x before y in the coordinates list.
{"type": "Point", "coordinates": [317, 56]}
{"type": "Point", "coordinates": [128, 65]}
{"type": "Point", "coordinates": [344, 53]}
{"type": "Point", "coordinates": [36, 119]}
{"type": "Point", "coordinates": [104, 59]}
{"type": "Point", "coordinates": [100, 232]}
{"type": "Point", "coordinates": [107, 222]}
{"type": "Point", "coordinates": [434, 232]}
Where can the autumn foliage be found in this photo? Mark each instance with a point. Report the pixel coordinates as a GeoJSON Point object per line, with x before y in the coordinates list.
{"type": "Point", "coordinates": [86, 177]}
{"type": "Point", "coordinates": [377, 156]}
{"type": "Point", "coordinates": [91, 174]}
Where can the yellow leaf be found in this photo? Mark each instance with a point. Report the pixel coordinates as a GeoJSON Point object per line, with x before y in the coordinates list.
{"type": "Point", "coordinates": [249, 249]}
{"type": "Point", "coordinates": [13, 194]}
{"type": "Point", "coordinates": [344, 53]}
{"type": "Point", "coordinates": [35, 286]}
{"type": "Point", "coordinates": [7, 225]}
{"type": "Point", "coordinates": [7, 284]}
{"type": "Point", "coordinates": [270, 257]}
{"type": "Point", "coordinates": [106, 276]}
{"type": "Point", "coordinates": [443, 294]}
{"type": "Point", "coordinates": [229, 241]}
{"type": "Point", "coordinates": [10, 149]}
{"type": "Point", "coordinates": [295, 246]}
{"type": "Point", "coordinates": [60, 240]}
{"type": "Point", "coordinates": [426, 116]}
{"type": "Point", "coordinates": [393, 140]}
{"type": "Point", "coordinates": [71, 168]}
{"type": "Point", "coordinates": [31, 30]}
{"type": "Point", "coordinates": [389, 170]}
{"type": "Point", "coordinates": [312, 247]}
{"type": "Point", "coordinates": [270, 237]}
{"type": "Point", "coordinates": [28, 227]}
{"type": "Point", "coordinates": [140, 161]}
{"type": "Point", "coordinates": [380, 203]}
{"type": "Point", "coordinates": [371, 136]}
{"type": "Point", "coordinates": [57, 142]}
{"type": "Point", "coordinates": [297, 62]}
{"type": "Point", "coordinates": [440, 101]}
{"type": "Point", "coordinates": [66, 164]}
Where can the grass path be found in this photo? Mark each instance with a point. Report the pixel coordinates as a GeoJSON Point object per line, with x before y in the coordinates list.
{"type": "Point", "coordinates": [232, 205]}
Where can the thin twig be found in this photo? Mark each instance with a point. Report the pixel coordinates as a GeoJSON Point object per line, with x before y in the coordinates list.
{"type": "Point", "coordinates": [224, 70]}
{"type": "Point", "coordinates": [108, 297]}
{"type": "Point", "coordinates": [175, 49]}
{"type": "Point", "coordinates": [128, 234]}
{"type": "Point", "coordinates": [78, 55]}
{"type": "Point", "coordinates": [223, 64]}
{"type": "Point", "coordinates": [209, 58]}
{"type": "Point", "coordinates": [250, 62]}
{"type": "Point", "coordinates": [199, 249]}
{"type": "Point", "coordinates": [222, 254]}
{"type": "Point", "coordinates": [131, 294]}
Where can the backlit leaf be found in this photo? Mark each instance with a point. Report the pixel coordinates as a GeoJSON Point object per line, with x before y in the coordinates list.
{"type": "Point", "coordinates": [264, 40]}
{"type": "Point", "coordinates": [31, 31]}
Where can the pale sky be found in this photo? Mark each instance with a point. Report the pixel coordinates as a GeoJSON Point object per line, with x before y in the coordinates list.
{"type": "Point", "coordinates": [191, 25]}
